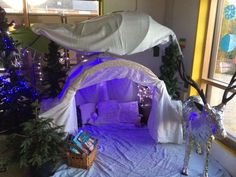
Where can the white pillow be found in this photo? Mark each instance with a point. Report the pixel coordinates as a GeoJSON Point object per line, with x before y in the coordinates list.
{"type": "Point", "coordinates": [108, 112]}
{"type": "Point", "coordinates": [87, 111]}
{"type": "Point", "coordinates": [129, 112]}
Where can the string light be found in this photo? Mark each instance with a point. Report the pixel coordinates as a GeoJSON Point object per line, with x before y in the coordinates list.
{"type": "Point", "coordinates": [39, 69]}
{"type": "Point", "coordinates": [144, 95]}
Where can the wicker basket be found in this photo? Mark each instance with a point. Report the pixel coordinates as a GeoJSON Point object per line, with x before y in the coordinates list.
{"type": "Point", "coordinates": [81, 160]}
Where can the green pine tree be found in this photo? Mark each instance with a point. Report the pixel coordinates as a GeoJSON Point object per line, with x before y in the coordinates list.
{"type": "Point", "coordinates": [169, 68]}
{"type": "Point", "coordinates": [53, 72]}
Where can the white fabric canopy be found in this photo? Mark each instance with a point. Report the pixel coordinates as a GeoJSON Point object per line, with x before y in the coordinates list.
{"type": "Point", "coordinates": [164, 121]}
{"type": "Point", "coordinates": [121, 33]}
{"type": "Point", "coordinates": [121, 90]}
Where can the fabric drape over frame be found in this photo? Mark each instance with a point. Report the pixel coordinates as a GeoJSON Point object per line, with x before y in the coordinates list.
{"type": "Point", "coordinates": [164, 122]}
{"type": "Point", "coordinates": [120, 33]}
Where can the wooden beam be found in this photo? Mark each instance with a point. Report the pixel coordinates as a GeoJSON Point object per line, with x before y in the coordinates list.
{"type": "Point", "coordinates": [25, 13]}
{"type": "Point", "coordinates": [101, 7]}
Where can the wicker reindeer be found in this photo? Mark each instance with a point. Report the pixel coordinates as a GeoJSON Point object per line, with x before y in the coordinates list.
{"type": "Point", "coordinates": [202, 121]}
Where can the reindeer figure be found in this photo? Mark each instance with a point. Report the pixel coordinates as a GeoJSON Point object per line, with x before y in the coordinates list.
{"type": "Point", "coordinates": [202, 121]}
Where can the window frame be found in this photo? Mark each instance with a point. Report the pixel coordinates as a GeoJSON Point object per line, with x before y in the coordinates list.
{"type": "Point", "coordinates": [26, 14]}
{"type": "Point", "coordinates": [229, 141]}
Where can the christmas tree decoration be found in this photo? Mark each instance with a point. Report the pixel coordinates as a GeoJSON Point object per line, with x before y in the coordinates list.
{"type": "Point", "coordinates": [182, 43]}
{"type": "Point", "coordinates": [16, 95]}
{"type": "Point", "coordinates": [169, 68]}
{"type": "Point", "coordinates": [32, 67]}
{"type": "Point", "coordinates": [8, 51]}
{"type": "Point", "coordinates": [16, 98]}
{"type": "Point", "coordinates": [54, 72]}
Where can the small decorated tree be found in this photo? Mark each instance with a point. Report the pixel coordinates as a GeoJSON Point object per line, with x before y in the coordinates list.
{"type": "Point", "coordinates": [169, 68]}
{"type": "Point", "coordinates": [16, 95]}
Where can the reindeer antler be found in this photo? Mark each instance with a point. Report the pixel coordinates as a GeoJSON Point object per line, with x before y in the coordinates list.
{"type": "Point", "coordinates": [189, 80]}
{"type": "Point", "coordinates": [230, 87]}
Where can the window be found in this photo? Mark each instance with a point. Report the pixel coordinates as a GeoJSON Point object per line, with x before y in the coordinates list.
{"type": "Point", "coordinates": [52, 6]}
{"type": "Point", "coordinates": [221, 58]}
{"type": "Point", "coordinates": [26, 12]}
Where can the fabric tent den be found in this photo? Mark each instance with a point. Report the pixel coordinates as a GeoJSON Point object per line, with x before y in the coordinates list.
{"type": "Point", "coordinates": [120, 33]}
{"type": "Point", "coordinates": [164, 121]}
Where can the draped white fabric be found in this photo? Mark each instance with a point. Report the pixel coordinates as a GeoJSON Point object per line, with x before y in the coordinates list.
{"type": "Point", "coordinates": [122, 90]}
{"type": "Point", "coordinates": [121, 33]}
{"type": "Point", "coordinates": [164, 122]}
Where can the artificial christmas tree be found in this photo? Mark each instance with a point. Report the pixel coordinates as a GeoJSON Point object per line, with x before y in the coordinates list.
{"type": "Point", "coordinates": [169, 68]}
{"type": "Point", "coordinates": [54, 73]}
{"type": "Point", "coordinates": [16, 95]}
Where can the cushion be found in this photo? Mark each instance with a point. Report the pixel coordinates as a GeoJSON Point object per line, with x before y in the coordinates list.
{"type": "Point", "coordinates": [108, 112]}
{"type": "Point", "coordinates": [87, 111]}
{"type": "Point", "coordinates": [129, 112]}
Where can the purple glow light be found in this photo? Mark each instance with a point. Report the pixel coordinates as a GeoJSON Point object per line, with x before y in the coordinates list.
{"type": "Point", "coordinates": [192, 116]}
{"type": "Point", "coordinates": [214, 129]}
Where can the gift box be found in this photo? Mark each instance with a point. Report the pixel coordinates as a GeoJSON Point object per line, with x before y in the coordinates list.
{"type": "Point", "coordinates": [83, 161]}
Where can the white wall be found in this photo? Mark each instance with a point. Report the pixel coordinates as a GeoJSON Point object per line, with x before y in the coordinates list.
{"type": "Point", "coordinates": [181, 16]}
{"type": "Point", "coordinates": [146, 58]}
{"type": "Point", "coordinates": [155, 8]}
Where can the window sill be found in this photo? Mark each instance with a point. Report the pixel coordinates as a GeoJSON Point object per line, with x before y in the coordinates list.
{"type": "Point", "coordinates": [229, 143]}
{"type": "Point", "coordinates": [214, 83]}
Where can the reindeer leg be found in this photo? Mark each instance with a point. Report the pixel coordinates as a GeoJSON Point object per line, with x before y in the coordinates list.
{"type": "Point", "coordinates": [208, 148]}
{"type": "Point", "coordinates": [198, 148]}
{"type": "Point", "coordinates": [184, 129]}
{"type": "Point", "coordinates": [188, 148]}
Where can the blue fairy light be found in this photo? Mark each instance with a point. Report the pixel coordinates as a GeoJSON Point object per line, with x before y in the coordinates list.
{"type": "Point", "coordinates": [6, 100]}
{"type": "Point", "coordinates": [18, 72]}
{"type": "Point", "coordinates": [16, 95]}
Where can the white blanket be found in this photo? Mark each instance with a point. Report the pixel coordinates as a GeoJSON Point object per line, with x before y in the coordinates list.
{"type": "Point", "coordinates": [129, 151]}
